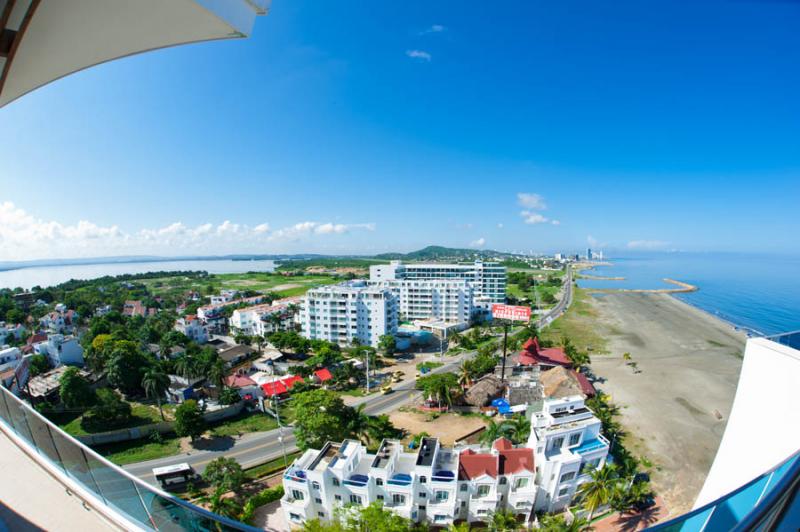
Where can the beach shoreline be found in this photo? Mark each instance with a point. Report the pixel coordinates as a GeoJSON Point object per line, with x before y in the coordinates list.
{"type": "Point", "coordinates": [676, 400]}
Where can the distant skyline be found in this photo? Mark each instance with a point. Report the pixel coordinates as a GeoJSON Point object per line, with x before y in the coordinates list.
{"type": "Point", "coordinates": [362, 129]}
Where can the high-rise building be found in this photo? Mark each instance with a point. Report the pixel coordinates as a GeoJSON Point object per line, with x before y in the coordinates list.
{"type": "Point", "coordinates": [448, 300]}
{"type": "Point", "coordinates": [488, 279]}
{"type": "Point", "coordinates": [349, 311]}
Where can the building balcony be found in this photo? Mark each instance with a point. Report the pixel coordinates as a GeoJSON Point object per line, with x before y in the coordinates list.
{"type": "Point", "coordinates": [289, 500]}
{"type": "Point", "coordinates": [592, 445]}
{"type": "Point", "coordinates": [400, 479]}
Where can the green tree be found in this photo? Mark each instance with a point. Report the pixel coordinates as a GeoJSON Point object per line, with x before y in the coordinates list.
{"type": "Point", "coordinates": [225, 506]}
{"type": "Point", "coordinates": [229, 396]}
{"type": "Point", "coordinates": [74, 389]}
{"type": "Point", "coordinates": [155, 383]}
{"type": "Point", "coordinates": [517, 429]}
{"type": "Point", "coordinates": [387, 344]}
{"type": "Point", "coordinates": [39, 365]}
{"type": "Point", "coordinates": [440, 386]}
{"type": "Point", "coordinates": [492, 431]}
{"type": "Point", "coordinates": [187, 366]}
{"type": "Point", "coordinates": [320, 416]}
{"type": "Point", "coordinates": [503, 521]}
{"type": "Point", "coordinates": [557, 523]}
{"type": "Point", "coordinates": [110, 411]}
{"type": "Point", "coordinates": [598, 491]}
{"type": "Point", "coordinates": [458, 527]}
{"type": "Point", "coordinates": [225, 474]}
{"type": "Point", "coordinates": [189, 420]}
{"type": "Point", "coordinates": [125, 367]}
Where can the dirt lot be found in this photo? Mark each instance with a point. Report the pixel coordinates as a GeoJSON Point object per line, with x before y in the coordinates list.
{"type": "Point", "coordinates": [676, 404]}
{"type": "Point", "coordinates": [447, 427]}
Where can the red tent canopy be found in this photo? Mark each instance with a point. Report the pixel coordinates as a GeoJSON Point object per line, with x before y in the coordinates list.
{"type": "Point", "coordinates": [323, 374]}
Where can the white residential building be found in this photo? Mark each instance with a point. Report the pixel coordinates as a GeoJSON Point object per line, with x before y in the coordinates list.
{"type": "Point", "coordinates": [8, 330]}
{"type": "Point", "coordinates": [10, 357]}
{"type": "Point", "coordinates": [61, 350]}
{"type": "Point", "coordinates": [261, 320]}
{"type": "Point", "coordinates": [193, 328]}
{"type": "Point", "coordinates": [102, 310]}
{"type": "Point", "coordinates": [568, 444]}
{"type": "Point", "coordinates": [225, 296]}
{"type": "Point", "coordinates": [434, 484]}
{"type": "Point", "coordinates": [448, 300]}
{"type": "Point", "coordinates": [488, 279]}
{"type": "Point", "coordinates": [349, 311]}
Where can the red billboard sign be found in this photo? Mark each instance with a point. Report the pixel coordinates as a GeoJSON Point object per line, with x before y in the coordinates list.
{"type": "Point", "coordinates": [511, 312]}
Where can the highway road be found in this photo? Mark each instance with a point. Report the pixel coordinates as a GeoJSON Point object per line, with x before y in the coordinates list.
{"type": "Point", "coordinates": [259, 447]}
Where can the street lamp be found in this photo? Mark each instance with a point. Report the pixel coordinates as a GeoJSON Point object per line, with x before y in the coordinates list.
{"type": "Point", "coordinates": [280, 431]}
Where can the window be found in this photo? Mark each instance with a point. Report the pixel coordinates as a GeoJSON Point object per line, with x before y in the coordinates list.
{"type": "Point", "coordinates": [380, 497]}
{"type": "Point", "coordinates": [337, 497]}
{"type": "Point", "coordinates": [297, 495]}
{"type": "Point", "coordinates": [315, 485]}
{"type": "Point", "coordinates": [563, 491]}
{"type": "Point", "coordinates": [557, 443]}
{"type": "Point", "coordinates": [295, 517]}
{"type": "Point", "coordinates": [398, 499]}
{"type": "Point", "coordinates": [483, 490]}
{"type": "Point", "coordinates": [423, 479]}
{"type": "Point", "coordinates": [335, 481]}
{"type": "Point", "coordinates": [318, 500]}
{"type": "Point", "coordinates": [422, 507]}
{"type": "Point", "coordinates": [574, 439]}
{"type": "Point", "coordinates": [355, 499]}
{"type": "Point", "coordinates": [439, 518]}
{"type": "Point", "coordinates": [379, 482]}
{"type": "Point", "coordinates": [463, 487]}
{"type": "Point", "coordinates": [442, 496]}
{"type": "Point", "coordinates": [567, 476]}
{"type": "Point", "coordinates": [503, 481]}
{"type": "Point", "coordinates": [481, 511]}
{"type": "Point", "coordinates": [521, 483]}
{"type": "Point", "coordinates": [422, 495]}
{"type": "Point", "coordinates": [321, 514]}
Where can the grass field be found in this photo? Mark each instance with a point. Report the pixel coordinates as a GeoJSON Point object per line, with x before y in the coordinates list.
{"type": "Point", "coordinates": [578, 324]}
{"type": "Point", "coordinates": [258, 281]}
{"type": "Point", "coordinates": [141, 415]}
{"type": "Point", "coordinates": [242, 424]}
{"type": "Point", "coordinates": [272, 466]}
{"type": "Point", "coordinates": [129, 452]}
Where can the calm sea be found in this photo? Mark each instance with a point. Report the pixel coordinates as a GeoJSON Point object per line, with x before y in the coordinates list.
{"type": "Point", "coordinates": [53, 275]}
{"type": "Point", "coordinates": [757, 292]}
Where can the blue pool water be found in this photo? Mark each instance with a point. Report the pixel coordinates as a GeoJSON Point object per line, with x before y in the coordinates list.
{"type": "Point", "coordinates": [757, 292]}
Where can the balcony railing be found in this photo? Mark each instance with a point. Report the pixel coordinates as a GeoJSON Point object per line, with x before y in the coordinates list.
{"type": "Point", "coordinates": [112, 491]}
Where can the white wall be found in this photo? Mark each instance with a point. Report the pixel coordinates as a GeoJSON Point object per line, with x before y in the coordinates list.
{"type": "Point", "coordinates": [764, 427]}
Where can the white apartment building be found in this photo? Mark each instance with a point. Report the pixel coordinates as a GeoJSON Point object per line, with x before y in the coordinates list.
{"type": "Point", "coordinates": [225, 296]}
{"type": "Point", "coordinates": [568, 444]}
{"type": "Point", "coordinates": [488, 279]}
{"type": "Point", "coordinates": [61, 350]}
{"type": "Point", "coordinates": [193, 328]}
{"type": "Point", "coordinates": [349, 311]}
{"type": "Point", "coordinates": [261, 320]}
{"type": "Point", "coordinates": [450, 300]}
{"type": "Point", "coordinates": [433, 484]}
{"type": "Point", "coordinates": [10, 357]}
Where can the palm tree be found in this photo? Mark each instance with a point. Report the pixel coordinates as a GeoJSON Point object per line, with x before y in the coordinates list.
{"type": "Point", "coordinates": [155, 382]}
{"type": "Point", "coordinates": [460, 527]}
{"type": "Point", "coordinates": [225, 506]}
{"type": "Point", "coordinates": [492, 431]}
{"type": "Point", "coordinates": [360, 424]}
{"type": "Point", "coordinates": [463, 375]}
{"type": "Point", "coordinates": [557, 523]}
{"type": "Point", "coordinates": [186, 366]}
{"type": "Point", "coordinates": [518, 429]}
{"type": "Point", "coordinates": [216, 373]}
{"type": "Point", "coordinates": [503, 521]}
{"type": "Point", "coordinates": [455, 337]}
{"type": "Point", "coordinates": [598, 491]}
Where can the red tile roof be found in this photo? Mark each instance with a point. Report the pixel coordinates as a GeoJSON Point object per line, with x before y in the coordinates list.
{"type": "Point", "coordinates": [272, 389]}
{"type": "Point", "coordinates": [291, 380]}
{"type": "Point", "coordinates": [551, 356]}
{"type": "Point", "coordinates": [586, 387]}
{"type": "Point", "coordinates": [37, 338]}
{"type": "Point", "coordinates": [239, 381]}
{"type": "Point", "coordinates": [506, 461]}
{"type": "Point", "coordinates": [323, 374]}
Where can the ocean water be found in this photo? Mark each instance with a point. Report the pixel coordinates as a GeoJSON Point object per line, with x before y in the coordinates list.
{"type": "Point", "coordinates": [756, 292]}
{"type": "Point", "coordinates": [53, 275]}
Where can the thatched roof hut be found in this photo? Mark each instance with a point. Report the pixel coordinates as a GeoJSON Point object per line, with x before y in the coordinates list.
{"type": "Point", "coordinates": [483, 391]}
{"type": "Point", "coordinates": [562, 382]}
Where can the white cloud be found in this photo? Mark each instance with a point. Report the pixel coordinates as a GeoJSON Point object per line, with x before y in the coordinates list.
{"type": "Point", "coordinates": [594, 243]}
{"type": "Point", "coordinates": [532, 218]}
{"type": "Point", "coordinates": [25, 237]}
{"type": "Point", "coordinates": [531, 201]}
{"type": "Point", "coordinates": [479, 243]}
{"type": "Point", "coordinates": [422, 55]}
{"type": "Point", "coordinates": [436, 28]}
{"type": "Point", "coordinates": [647, 244]}
{"type": "Point", "coordinates": [555, 222]}
{"type": "Point", "coordinates": [500, 226]}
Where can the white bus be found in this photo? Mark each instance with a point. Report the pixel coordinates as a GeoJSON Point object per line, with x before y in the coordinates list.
{"type": "Point", "coordinates": [173, 476]}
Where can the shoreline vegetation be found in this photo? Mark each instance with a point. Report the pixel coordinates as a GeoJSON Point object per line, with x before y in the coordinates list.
{"type": "Point", "coordinates": [683, 288]}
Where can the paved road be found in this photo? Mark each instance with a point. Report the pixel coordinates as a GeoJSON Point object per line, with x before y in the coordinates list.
{"type": "Point", "coordinates": [259, 447]}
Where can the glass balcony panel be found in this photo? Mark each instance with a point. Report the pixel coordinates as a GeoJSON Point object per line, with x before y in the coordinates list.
{"type": "Point", "coordinates": [43, 439]}
{"type": "Point", "coordinates": [74, 462]}
{"type": "Point", "coordinates": [118, 490]}
{"type": "Point", "coordinates": [18, 421]}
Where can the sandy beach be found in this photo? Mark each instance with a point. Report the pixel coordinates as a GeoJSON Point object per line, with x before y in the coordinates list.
{"type": "Point", "coordinates": [675, 404]}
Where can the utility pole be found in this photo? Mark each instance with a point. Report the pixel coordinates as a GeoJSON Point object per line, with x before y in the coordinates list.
{"type": "Point", "coordinates": [366, 356]}
{"type": "Point", "coordinates": [280, 431]}
{"type": "Point", "coordinates": [505, 346]}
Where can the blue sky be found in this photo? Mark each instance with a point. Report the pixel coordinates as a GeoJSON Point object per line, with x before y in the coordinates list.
{"type": "Point", "coordinates": [362, 127]}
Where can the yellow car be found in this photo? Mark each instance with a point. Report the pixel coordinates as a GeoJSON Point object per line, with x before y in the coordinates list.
{"type": "Point", "coordinates": [386, 389]}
